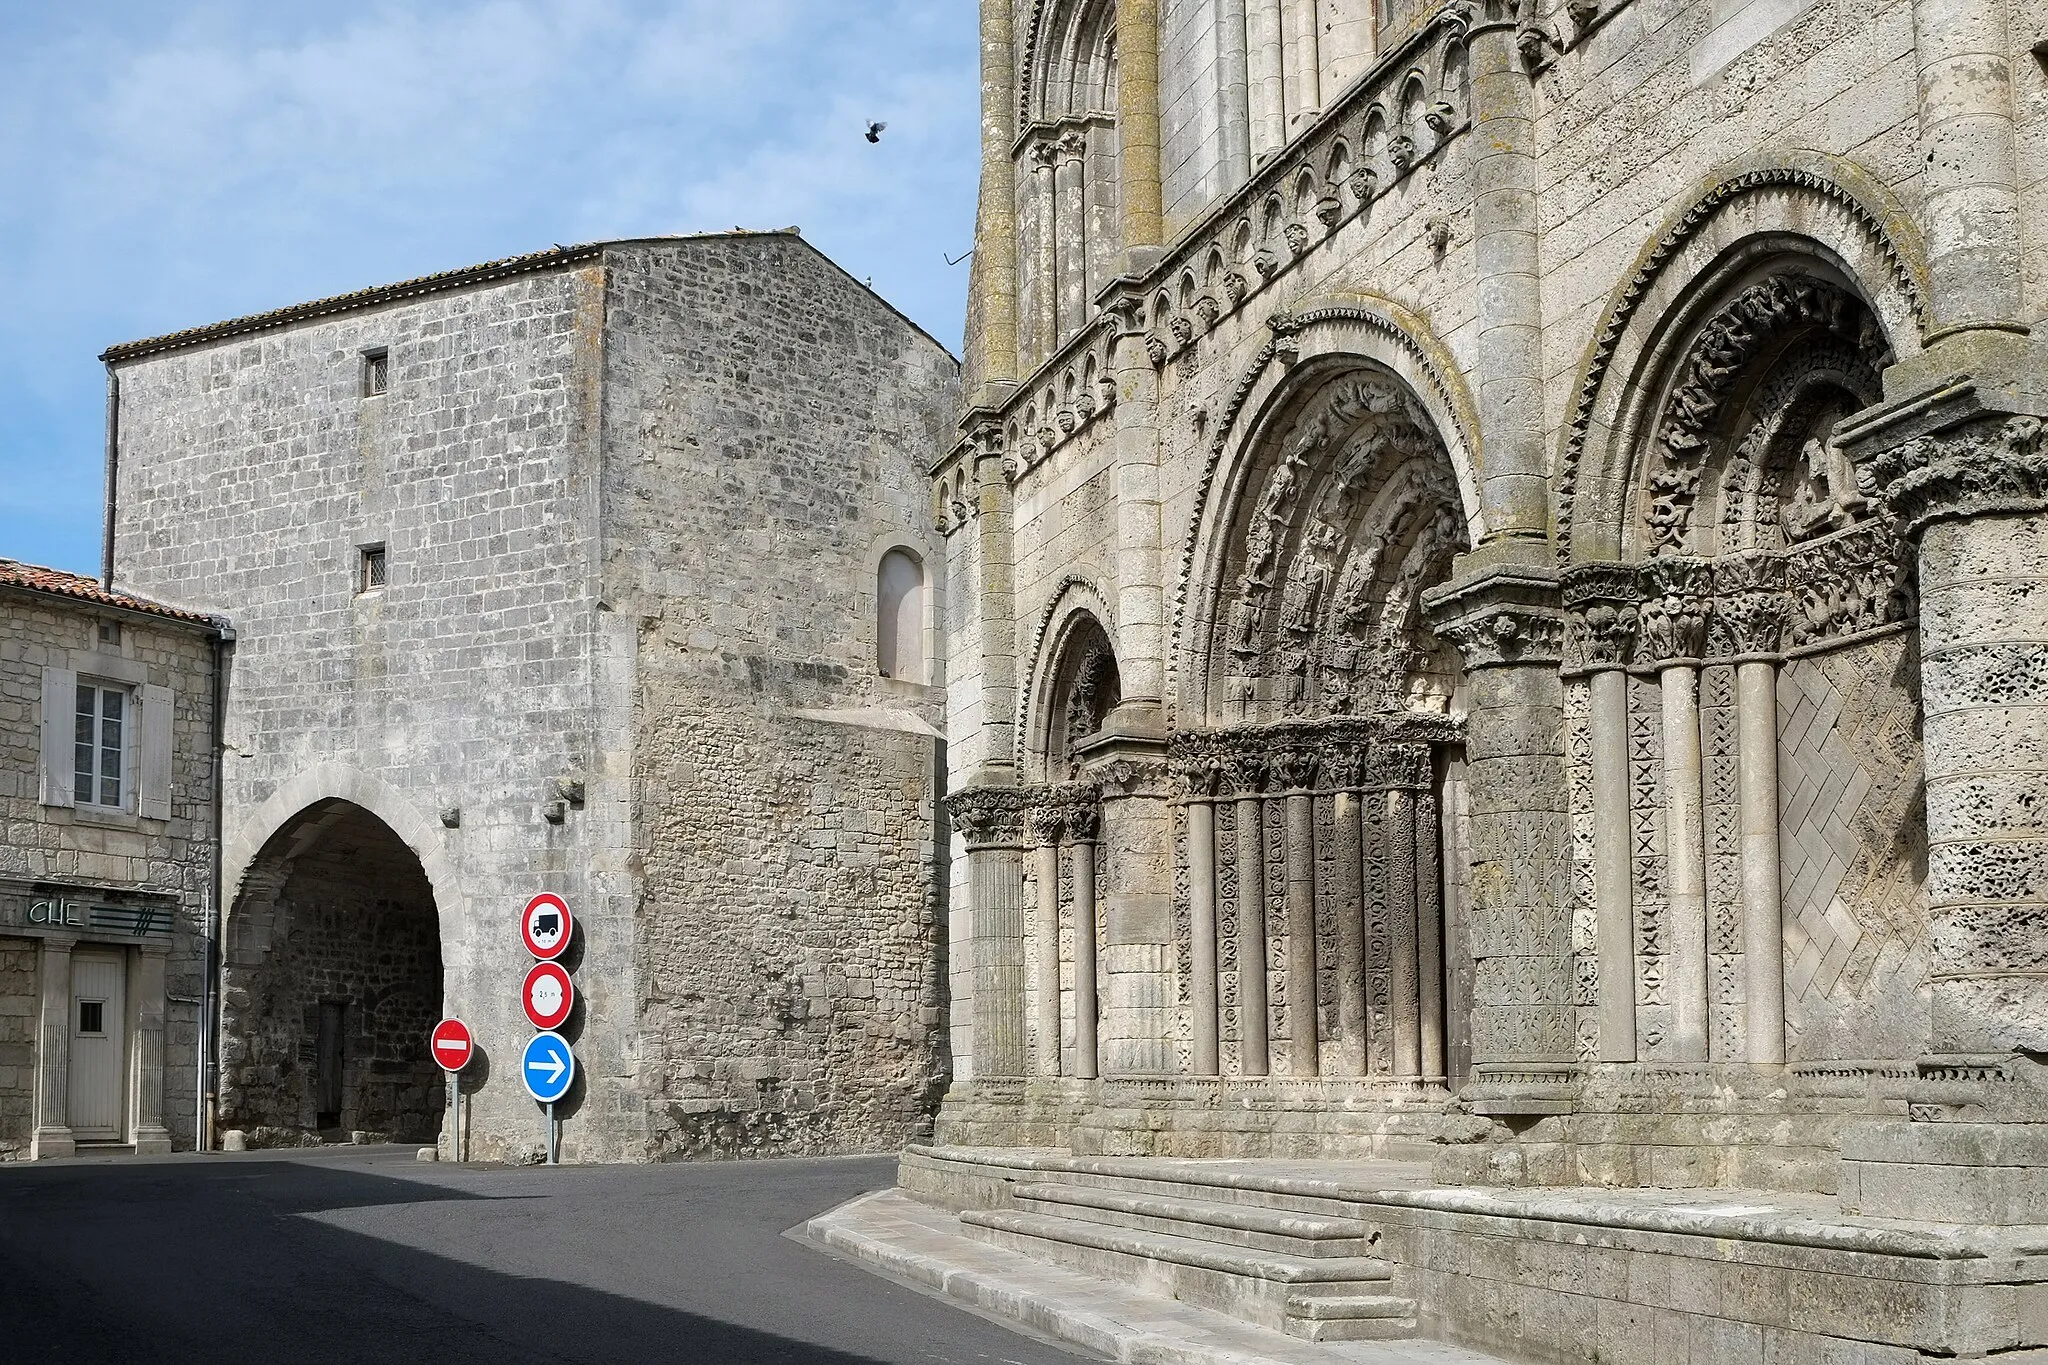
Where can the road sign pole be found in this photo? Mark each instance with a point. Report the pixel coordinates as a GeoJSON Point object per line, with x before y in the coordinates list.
{"type": "Point", "coordinates": [554, 1139]}
{"type": "Point", "coordinates": [456, 1077]}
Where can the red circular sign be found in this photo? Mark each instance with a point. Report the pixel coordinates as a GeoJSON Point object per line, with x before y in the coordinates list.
{"type": "Point", "coordinates": [547, 926]}
{"type": "Point", "coordinates": [547, 996]}
{"type": "Point", "coordinates": [452, 1045]}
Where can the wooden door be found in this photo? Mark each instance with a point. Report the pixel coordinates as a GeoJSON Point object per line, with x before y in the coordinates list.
{"type": "Point", "coordinates": [99, 1045]}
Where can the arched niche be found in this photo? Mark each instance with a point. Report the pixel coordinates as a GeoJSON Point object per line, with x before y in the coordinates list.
{"type": "Point", "coordinates": [900, 613]}
{"type": "Point", "coordinates": [1080, 686]}
{"type": "Point", "coordinates": [1343, 508]}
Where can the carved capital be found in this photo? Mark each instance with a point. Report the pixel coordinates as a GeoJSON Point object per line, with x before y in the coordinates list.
{"type": "Point", "coordinates": [1244, 773]}
{"type": "Point", "coordinates": [1294, 769]}
{"type": "Point", "coordinates": [1082, 822]}
{"type": "Point", "coordinates": [1047, 823]}
{"type": "Point", "coordinates": [1503, 616]}
{"type": "Point", "coordinates": [1600, 611]}
{"type": "Point", "coordinates": [1677, 598]}
{"type": "Point", "coordinates": [1398, 766]}
{"type": "Point", "coordinates": [1123, 777]}
{"type": "Point", "coordinates": [1750, 606]}
{"type": "Point", "coordinates": [1990, 466]}
{"type": "Point", "coordinates": [990, 817]}
{"type": "Point", "coordinates": [1073, 144]}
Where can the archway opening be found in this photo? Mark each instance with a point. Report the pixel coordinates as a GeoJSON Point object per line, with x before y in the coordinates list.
{"type": "Point", "coordinates": [1086, 687]}
{"type": "Point", "coordinates": [331, 981]}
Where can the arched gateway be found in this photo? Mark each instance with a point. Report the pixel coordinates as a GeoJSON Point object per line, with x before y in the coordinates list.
{"type": "Point", "coordinates": [331, 980]}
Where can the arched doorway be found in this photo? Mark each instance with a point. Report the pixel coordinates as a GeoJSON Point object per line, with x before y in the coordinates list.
{"type": "Point", "coordinates": [330, 982]}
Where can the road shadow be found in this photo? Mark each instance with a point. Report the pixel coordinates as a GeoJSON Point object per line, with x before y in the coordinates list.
{"type": "Point", "coordinates": [218, 1262]}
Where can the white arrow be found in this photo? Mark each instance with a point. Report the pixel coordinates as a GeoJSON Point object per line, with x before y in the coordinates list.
{"type": "Point", "coordinates": [553, 1066]}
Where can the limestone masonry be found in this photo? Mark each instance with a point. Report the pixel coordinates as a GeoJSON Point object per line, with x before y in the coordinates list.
{"type": "Point", "coordinates": [1496, 559]}
{"type": "Point", "coordinates": [608, 572]}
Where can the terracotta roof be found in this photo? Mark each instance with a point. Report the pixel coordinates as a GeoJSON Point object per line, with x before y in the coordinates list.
{"type": "Point", "coordinates": [36, 578]}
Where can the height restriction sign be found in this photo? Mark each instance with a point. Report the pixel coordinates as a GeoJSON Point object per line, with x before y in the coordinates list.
{"type": "Point", "coordinates": [546, 926]}
{"type": "Point", "coordinates": [547, 996]}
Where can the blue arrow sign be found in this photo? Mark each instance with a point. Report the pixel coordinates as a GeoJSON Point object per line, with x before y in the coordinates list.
{"type": "Point", "coordinates": [548, 1067]}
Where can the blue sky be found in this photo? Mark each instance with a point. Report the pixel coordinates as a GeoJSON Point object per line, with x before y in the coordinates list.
{"type": "Point", "coordinates": [167, 164]}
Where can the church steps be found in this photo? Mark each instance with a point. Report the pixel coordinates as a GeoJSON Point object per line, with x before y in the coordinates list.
{"type": "Point", "coordinates": [1248, 1226]}
{"type": "Point", "coordinates": [1267, 1288]}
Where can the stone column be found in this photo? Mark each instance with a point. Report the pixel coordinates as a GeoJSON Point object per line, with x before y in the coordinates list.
{"type": "Point", "coordinates": [992, 820]}
{"type": "Point", "coordinates": [1600, 604]}
{"type": "Point", "coordinates": [991, 344]}
{"type": "Point", "coordinates": [1751, 606]}
{"type": "Point", "coordinates": [1341, 768]}
{"type": "Point", "coordinates": [1141, 978]}
{"type": "Point", "coordinates": [1966, 476]}
{"type": "Point", "coordinates": [1296, 771]}
{"type": "Point", "coordinates": [1139, 195]}
{"type": "Point", "coordinates": [1045, 158]}
{"type": "Point", "coordinates": [1970, 191]}
{"type": "Point", "coordinates": [1304, 64]}
{"type": "Point", "coordinates": [1514, 489]}
{"type": "Point", "coordinates": [1268, 83]}
{"type": "Point", "coordinates": [1503, 614]}
{"type": "Point", "coordinates": [1247, 773]}
{"type": "Point", "coordinates": [1081, 825]}
{"type": "Point", "coordinates": [1070, 184]}
{"type": "Point", "coordinates": [53, 1050]}
{"type": "Point", "coordinates": [1047, 823]}
{"type": "Point", "coordinates": [1429, 936]}
{"type": "Point", "coordinates": [991, 469]}
{"type": "Point", "coordinates": [1233, 95]}
{"type": "Point", "coordinates": [147, 1007]}
{"type": "Point", "coordinates": [1199, 779]}
{"type": "Point", "coordinates": [1141, 582]}
{"type": "Point", "coordinates": [1404, 994]}
{"type": "Point", "coordinates": [1672, 620]}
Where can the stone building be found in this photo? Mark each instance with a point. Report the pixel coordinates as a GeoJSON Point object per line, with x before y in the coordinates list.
{"type": "Point", "coordinates": [605, 572]}
{"type": "Point", "coordinates": [1498, 566]}
{"type": "Point", "coordinates": [107, 781]}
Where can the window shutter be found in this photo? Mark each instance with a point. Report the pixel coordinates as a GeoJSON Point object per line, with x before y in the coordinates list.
{"type": "Point", "coordinates": [60, 700]}
{"type": "Point", "coordinates": [154, 784]}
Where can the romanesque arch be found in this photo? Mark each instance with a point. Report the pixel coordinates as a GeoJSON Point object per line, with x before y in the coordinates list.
{"type": "Point", "coordinates": [331, 974]}
{"type": "Point", "coordinates": [1741, 697]}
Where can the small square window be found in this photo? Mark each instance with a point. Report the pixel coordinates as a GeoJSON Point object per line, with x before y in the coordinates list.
{"type": "Point", "coordinates": [92, 1017]}
{"type": "Point", "coordinates": [376, 372]}
{"type": "Point", "coordinates": [373, 569]}
{"type": "Point", "coordinates": [110, 632]}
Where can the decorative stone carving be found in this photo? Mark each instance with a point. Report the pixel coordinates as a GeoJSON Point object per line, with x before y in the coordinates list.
{"type": "Point", "coordinates": [1183, 330]}
{"type": "Point", "coordinates": [1439, 117]}
{"type": "Point", "coordinates": [1329, 208]}
{"type": "Point", "coordinates": [1047, 823]}
{"type": "Point", "coordinates": [1234, 288]}
{"type": "Point", "coordinates": [1364, 184]}
{"type": "Point", "coordinates": [1294, 769]}
{"type": "Point", "coordinates": [1156, 349]}
{"type": "Point", "coordinates": [1508, 635]}
{"type": "Point", "coordinates": [1853, 581]}
{"type": "Point", "coordinates": [991, 817]}
{"type": "Point", "coordinates": [1297, 235]}
{"type": "Point", "coordinates": [1401, 153]}
{"type": "Point", "coordinates": [1600, 606]}
{"type": "Point", "coordinates": [1082, 822]}
{"type": "Point", "coordinates": [1996, 465]}
{"type": "Point", "coordinates": [1750, 606]}
{"type": "Point", "coordinates": [1677, 597]}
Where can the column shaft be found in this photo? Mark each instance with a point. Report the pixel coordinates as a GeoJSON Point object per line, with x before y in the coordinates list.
{"type": "Point", "coordinates": [1086, 1005]}
{"type": "Point", "coordinates": [1970, 192]}
{"type": "Point", "coordinates": [1233, 96]}
{"type": "Point", "coordinates": [1045, 189]}
{"type": "Point", "coordinates": [1137, 122]}
{"type": "Point", "coordinates": [991, 350]}
{"type": "Point", "coordinates": [1141, 588]}
{"type": "Point", "coordinates": [1404, 995]}
{"type": "Point", "coordinates": [1302, 1043]}
{"type": "Point", "coordinates": [1267, 79]}
{"type": "Point", "coordinates": [53, 1052]}
{"type": "Point", "coordinates": [1251, 937]}
{"type": "Point", "coordinates": [1613, 887]}
{"type": "Point", "coordinates": [1045, 944]}
{"type": "Point", "coordinates": [1349, 863]}
{"type": "Point", "coordinates": [1202, 1003]}
{"type": "Point", "coordinates": [1686, 856]}
{"type": "Point", "coordinates": [996, 879]}
{"type": "Point", "coordinates": [1763, 927]}
{"type": "Point", "coordinates": [1304, 64]}
{"type": "Point", "coordinates": [1429, 935]}
{"type": "Point", "coordinates": [1070, 243]}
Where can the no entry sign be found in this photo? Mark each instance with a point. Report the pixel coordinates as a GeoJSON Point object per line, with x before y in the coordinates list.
{"type": "Point", "coordinates": [546, 926]}
{"type": "Point", "coordinates": [548, 996]}
{"type": "Point", "coordinates": [452, 1045]}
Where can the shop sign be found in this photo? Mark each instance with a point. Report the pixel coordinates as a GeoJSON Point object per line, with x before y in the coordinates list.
{"type": "Point", "coordinates": [54, 912]}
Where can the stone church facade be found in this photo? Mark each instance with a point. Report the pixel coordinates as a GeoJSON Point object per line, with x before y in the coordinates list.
{"type": "Point", "coordinates": [603, 572]}
{"type": "Point", "coordinates": [1498, 556]}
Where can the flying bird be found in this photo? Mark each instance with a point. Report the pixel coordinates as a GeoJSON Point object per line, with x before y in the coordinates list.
{"type": "Point", "coordinates": [875, 131]}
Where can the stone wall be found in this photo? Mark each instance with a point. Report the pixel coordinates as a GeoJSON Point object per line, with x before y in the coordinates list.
{"type": "Point", "coordinates": [17, 1045]}
{"type": "Point", "coordinates": [116, 850]}
{"type": "Point", "coordinates": [768, 423]}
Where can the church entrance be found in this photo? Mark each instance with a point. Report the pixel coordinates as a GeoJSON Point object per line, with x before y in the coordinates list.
{"type": "Point", "coordinates": [331, 981]}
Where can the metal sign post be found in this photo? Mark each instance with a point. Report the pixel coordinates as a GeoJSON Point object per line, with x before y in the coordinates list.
{"type": "Point", "coordinates": [453, 1047]}
{"type": "Point", "coordinates": [554, 1139]}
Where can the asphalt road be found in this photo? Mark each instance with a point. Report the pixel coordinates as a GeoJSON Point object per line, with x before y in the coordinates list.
{"type": "Point", "coordinates": [364, 1255]}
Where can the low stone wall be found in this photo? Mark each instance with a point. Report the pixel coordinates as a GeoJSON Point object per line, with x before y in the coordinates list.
{"type": "Point", "coordinates": [17, 1046]}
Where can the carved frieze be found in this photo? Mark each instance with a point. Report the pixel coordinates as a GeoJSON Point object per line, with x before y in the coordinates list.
{"type": "Point", "coordinates": [1999, 464]}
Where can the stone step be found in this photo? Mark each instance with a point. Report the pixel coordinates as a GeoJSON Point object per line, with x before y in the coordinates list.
{"type": "Point", "coordinates": [1231, 1224]}
{"type": "Point", "coordinates": [1343, 1316]}
{"type": "Point", "coordinates": [1251, 1285]}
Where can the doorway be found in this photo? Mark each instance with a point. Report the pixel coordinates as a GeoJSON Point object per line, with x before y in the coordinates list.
{"type": "Point", "coordinates": [328, 1064]}
{"type": "Point", "coordinates": [99, 1046]}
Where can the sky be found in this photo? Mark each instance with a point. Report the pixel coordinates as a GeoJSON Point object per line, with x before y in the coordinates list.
{"type": "Point", "coordinates": [169, 163]}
